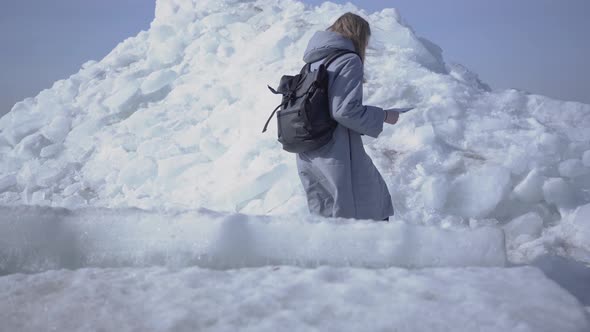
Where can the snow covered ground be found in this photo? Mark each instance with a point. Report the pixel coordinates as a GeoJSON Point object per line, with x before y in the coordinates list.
{"type": "Point", "coordinates": [170, 123]}
{"type": "Point", "coordinates": [288, 299]}
{"type": "Point", "coordinates": [130, 269]}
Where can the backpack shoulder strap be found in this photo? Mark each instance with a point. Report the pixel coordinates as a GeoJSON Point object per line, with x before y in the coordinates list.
{"type": "Point", "coordinates": [305, 69]}
{"type": "Point", "coordinates": [330, 58]}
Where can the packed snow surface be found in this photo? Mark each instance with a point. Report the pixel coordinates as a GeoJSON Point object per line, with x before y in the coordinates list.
{"type": "Point", "coordinates": [156, 154]}
{"type": "Point", "coordinates": [289, 299]}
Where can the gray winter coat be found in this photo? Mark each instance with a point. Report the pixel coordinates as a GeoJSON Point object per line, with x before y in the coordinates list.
{"type": "Point", "coordinates": [340, 179]}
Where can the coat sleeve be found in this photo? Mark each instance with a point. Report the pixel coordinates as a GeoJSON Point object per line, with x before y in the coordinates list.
{"type": "Point", "coordinates": [346, 100]}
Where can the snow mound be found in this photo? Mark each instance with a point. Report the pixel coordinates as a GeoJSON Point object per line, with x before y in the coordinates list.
{"type": "Point", "coordinates": [39, 239]}
{"type": "Point", "coordinates": [171, 119]}
{"type": "Point", "coordinates": [289, 299]}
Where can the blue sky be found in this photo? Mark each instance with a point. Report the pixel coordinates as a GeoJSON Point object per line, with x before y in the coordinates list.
{"type": "Point", "coordinates": [540, 46]}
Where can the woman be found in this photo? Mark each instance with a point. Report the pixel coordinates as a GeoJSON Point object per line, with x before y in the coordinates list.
{"type": "Point", "coordinates": [339, 178]}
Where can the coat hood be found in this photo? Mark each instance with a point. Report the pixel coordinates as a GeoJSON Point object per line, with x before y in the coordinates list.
{"type": "Point", "coordinates": [325, 42]}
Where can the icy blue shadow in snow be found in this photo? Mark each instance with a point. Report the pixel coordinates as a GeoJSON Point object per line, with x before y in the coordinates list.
{"type": "Point", "coordinates": [572, 275]}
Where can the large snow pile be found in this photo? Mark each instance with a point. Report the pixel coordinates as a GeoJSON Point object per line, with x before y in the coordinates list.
{"type": "Point", "coordinates": [172, 118]}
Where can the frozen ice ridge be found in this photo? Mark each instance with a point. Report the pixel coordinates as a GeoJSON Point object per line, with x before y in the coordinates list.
{"type": "Point", "coordinates": [37, 239]}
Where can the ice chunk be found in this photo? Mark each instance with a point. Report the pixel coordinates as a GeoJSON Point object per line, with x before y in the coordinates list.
{"type": "Point", "coordinates": [392, 32]}
{"type": "Point", "coordinates": [38, 198]}
{"type": "Point", "coordinates": [425, 135]}
{"type": "Point", "coordinates": [96, 172]}
{"type": "Point", "coordinates": [19, 123]}
{"type": "Point", "coordinates": [157, 80]}
{"type": "Point", "coordinates": [27, 175]}
{"type": "Point", "coordinates": [529, 224]}
{"type": "Point", "coordinates": [49, 173]}
{"type": "Point", "coordinates": [9, 198]}
{"type": "Point", "coordinates": [219, 20]}
{"type": "Point", "coordinates": [572, 234]}
{"type": "Point", "coordinates": [174, 166]}
{"type": "Point", "coordinates": [138, 172]}
{"type": "Point", "coordinates": [530, 189]}
{"type": "Point", "coordinates": [557, 191]}
{"type": "Point", "coordinates": [58, 129]}
{"type": "Point", "coordinates": [31, 145]}
{"type": "Point", "coordinates": [279, 194]}
{"type": "Point", "coordinates": [72, 189]}
{"type": "Point", "coordinates": [517, 163]}
{"type": "Point", "coordinates": [179, 12]}
{"type": "Point", "coordinates": [552, 143]}
{"type": "Point", "coordinates": [118, 101]}
{"type": "Point", "coordinates": [572, 168]}
{"type": "Point", "coordinates": [211, 147]}
{"type": "Point", "coordinates": [165, 47]}
{"type": "Point", "coordinates": [74, 202]}
{"type": "Point", "coordinates": [435, 191]}
{"type": "Point", "coordinates": [7, 181]}
{"type": "Point", "coordinates": [4, 145]}
{"type": "Point", "coordinates": [477, 194]}
{"type": "Point", "coordinates": [461, 72]}
{"type": "Point", "coordinates": [51, 150]}
{"type": "Point", "coordinates": [581, 223]}
{"type": "Point", "coordinates": [242, 194]}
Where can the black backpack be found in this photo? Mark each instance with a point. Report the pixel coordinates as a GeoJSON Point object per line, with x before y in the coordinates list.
{"type": "Point", "coordinates": [304, 120]}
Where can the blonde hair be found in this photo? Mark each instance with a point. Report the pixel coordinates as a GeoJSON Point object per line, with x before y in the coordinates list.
{"type": "Point", "coordinates": [355, 28]}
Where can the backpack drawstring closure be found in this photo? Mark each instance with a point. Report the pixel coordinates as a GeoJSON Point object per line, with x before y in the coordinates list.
{"type": "Point", "coordinates": [271, 115]}
{"type": "Point", "coordinates": [289, 97]}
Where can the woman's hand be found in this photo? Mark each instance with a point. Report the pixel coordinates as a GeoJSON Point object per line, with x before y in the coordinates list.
{"type": "Point", "coordinates": [391, 117]}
